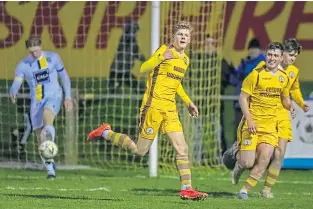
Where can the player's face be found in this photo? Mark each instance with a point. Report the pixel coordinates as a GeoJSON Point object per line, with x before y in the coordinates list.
{"type": "Point", "coordinates": [273, 58]}
{"type": "Point", "coordinates": [35, 51]}
{"type": "Point", "coordinates": [181, 39]}
{"type": "Point", "coordinates": [289, 57]}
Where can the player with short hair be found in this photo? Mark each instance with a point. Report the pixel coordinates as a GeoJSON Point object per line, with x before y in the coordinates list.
{"type": "Point", "coordinates": [291, 51]}
{"type": "Point", "coordinates": [167, 67]}
{"type": "Point", "coordinates": [262, 92]}
{"type": "Point", "coordinates": [41, 69]}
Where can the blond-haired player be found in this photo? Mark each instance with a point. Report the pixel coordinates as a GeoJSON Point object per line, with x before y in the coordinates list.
{"type": "Point", "coordinates": [166, 69]}
{"type": "Point", "coordinates": [262, 92]}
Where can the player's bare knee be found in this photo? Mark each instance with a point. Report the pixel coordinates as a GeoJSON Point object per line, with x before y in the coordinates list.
{"type": "Point", "coordinates": [246, 163]}
{"type": "Point", "coordinates": [278, 155]}
{"type": "Point", "coordinates": [182, 150]}
{"type": "Point", "coordinates": [263, 161]}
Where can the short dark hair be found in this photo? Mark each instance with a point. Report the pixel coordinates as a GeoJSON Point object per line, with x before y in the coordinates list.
{"type": "Point", "coordinates": [254, 43]}
{"type": "Point", "coordinates": [275, 45]}
{"type": "Point", "coordinates": [33, 41]}
{"type": "Point", "coordinates": [292, 44]}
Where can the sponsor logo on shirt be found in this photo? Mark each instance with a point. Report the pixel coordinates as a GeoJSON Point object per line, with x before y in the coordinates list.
{"type": "Point", "coordinates": [42, 76]}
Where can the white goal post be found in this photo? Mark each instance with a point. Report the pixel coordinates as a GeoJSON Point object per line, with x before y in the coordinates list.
{"type": "Point", "coordinates": [155, 44]}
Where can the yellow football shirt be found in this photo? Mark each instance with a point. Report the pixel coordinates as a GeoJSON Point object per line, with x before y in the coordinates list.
{"type": "Point", "coordinates": [265, 89]}
{"type": "Point", "coordinates": [294, 88]}
{"type": "Point", "coordinates": [165, 80]}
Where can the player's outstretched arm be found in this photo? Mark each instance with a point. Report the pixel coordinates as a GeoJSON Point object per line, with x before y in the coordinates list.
{"type": "Point", "coordinates": [157, 58]}
{"type": "Point", "coordinates": [17, 83]}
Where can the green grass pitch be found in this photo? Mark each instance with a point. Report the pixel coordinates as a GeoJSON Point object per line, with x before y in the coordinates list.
{"type": "Point", "coordinates": [123, 189]}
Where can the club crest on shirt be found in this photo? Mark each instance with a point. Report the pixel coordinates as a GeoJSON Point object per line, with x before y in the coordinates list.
{"type": "Point", "coordinates": [291, 74]}
{"type": "Point", "coordinates": [185, 60]}
{"type": "Point", "coordinates": [149, 131]}
{"type": "Point", "coordinates": [247, 142]}
{"type": "Point", "coordinates": [281, 78]}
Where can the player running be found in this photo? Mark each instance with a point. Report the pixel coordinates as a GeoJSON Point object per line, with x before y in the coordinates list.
{"type": "Point", "coordinates": [291, 51]}
{"type": "Point", "coordinates": [166, 68]}
{"type": "Point", "coordinates": [41, 69]}
{"type": "Point", "coordinates": [262, 92]}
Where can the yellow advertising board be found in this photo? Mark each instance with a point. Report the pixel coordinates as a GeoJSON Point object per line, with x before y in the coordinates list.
{"type": "Point", "coordinates": [269, 21]}
{"type": "Point", "coordinates": [87, 34]}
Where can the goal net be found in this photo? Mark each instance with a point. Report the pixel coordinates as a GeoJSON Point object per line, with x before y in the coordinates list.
{"type": "Point", "coordinates": [102, 45]}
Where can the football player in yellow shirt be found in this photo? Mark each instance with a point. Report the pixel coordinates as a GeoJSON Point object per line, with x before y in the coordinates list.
{"type": "Point", "coordinates": [166, 69]}
{"type": "Point", "coordinates": [291, 51]}
{"type": "Point", "coordinates": [262, 93]}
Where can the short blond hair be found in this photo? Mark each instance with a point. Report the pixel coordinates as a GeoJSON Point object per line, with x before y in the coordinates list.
{"type": "Point", "coordinates": [182, 25]}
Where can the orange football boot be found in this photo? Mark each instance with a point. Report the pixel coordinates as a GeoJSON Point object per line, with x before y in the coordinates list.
{"type": "Point", "coordinates": [191, 194]}
{"type": "Point", "coordinates": [98, 132]}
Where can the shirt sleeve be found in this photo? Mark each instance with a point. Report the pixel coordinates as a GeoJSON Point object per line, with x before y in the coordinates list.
{"type": "Point", "coordinates": [249, 83]}
{"type": "Point", "coordinates": [154, 61]}
{"type": "Point", "coordinates": [18, 80]}
{"type": "Point", "coordinates": [261, 64]}
{"type": "Point", "coordinates": [19, 72]}
{"type": "Point", "coordinates": [64, 77]}
{"type": "Point", "coordinates": [59, 64]}
{"type": "Point", "coordinates": [182, 94]}
{"type": "Point", "coordinates": [286, 90]}
{"type": "Point", "coordinates": [296, 94]}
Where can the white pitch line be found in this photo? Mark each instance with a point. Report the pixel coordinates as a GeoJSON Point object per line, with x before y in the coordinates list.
{"type": "Point", "coordinates": [52, 189]}
{"type": "Point", "coordinates": [98, 189]}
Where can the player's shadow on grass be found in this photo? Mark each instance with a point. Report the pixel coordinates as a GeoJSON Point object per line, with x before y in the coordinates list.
{"type": "Point", "coordinates": [221, 194]}
{"type": "Point", "coordinates": [42, 196]}
{"type": "Point", "coordinates": [155, 192]}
